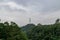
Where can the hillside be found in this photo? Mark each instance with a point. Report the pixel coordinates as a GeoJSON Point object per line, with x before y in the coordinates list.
{"type": "Point", "coordinates": [43, 32]}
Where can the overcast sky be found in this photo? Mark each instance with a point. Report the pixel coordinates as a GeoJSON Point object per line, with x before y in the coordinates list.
{"type": "Point", "coordinates": [40, 11]}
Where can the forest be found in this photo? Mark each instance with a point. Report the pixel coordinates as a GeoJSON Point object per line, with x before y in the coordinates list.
{"type": "Point", "coordinates": [11, 31]}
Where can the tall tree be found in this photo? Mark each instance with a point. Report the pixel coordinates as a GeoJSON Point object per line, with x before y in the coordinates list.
{"type": "Point", "coordinates": [11, 32]}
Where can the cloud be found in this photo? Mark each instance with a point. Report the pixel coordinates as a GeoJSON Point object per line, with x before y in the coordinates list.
{"type": "Point", "coordinates": [12, 6]}
{"type": "Point", "coordinates": [40, 11]}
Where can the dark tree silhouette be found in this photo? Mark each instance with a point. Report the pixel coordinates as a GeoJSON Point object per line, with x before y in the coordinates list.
{"type": "Point", "coordinates": [57, 21]}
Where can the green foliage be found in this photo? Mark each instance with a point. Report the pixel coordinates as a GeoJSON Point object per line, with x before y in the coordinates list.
{"type": "Point", "coordinates": [44, 32]}
{"type": "Point", "coordinates": [11, 32]}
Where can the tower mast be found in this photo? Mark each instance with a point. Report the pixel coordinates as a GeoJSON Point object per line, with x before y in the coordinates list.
{"type": "Point", "coordinates": [29, 20]}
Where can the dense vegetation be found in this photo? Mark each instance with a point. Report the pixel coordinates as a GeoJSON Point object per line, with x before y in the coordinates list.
{"type": "Point", "coordinates": [11, 31]}
{"type": "Point", "coordinates": [43, 32]}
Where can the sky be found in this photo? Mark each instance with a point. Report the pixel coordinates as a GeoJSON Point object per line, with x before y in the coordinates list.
{"type": "Point", "coordinates": [40, 11]}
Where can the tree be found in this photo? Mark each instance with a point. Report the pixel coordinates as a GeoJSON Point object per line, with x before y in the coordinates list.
{"type": "Point", "coordinates": [44, 32]}
{"type": "Point", "coordinates": [57, 21]}
{"type": "Point", "coordinates": [11, 32]}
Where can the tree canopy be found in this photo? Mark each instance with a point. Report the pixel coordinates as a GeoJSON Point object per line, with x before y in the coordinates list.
{"type": "Point", "coordinates": [44, 32]}
{"type": "Point", "coordinates": [11, 32]}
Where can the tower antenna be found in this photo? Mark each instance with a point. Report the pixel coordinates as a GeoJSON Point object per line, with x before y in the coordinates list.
{"type": "Point", "coordinates": [0, 20]}
{"type": "Point", "coordinates": [29, 20]}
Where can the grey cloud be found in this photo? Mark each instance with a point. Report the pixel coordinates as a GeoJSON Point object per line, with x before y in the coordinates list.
{"type": "Point", "coordinates": [41, 5]}
{"type": "Point", "coordinates": [40, 11]}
